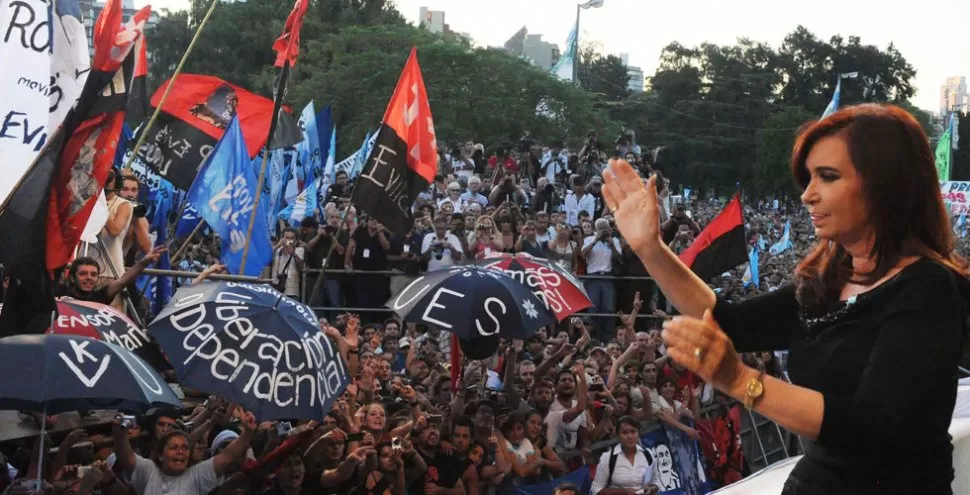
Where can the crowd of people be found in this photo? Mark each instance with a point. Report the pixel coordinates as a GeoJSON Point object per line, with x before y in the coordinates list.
{"type": "Point", "coordinates": [579, 393]}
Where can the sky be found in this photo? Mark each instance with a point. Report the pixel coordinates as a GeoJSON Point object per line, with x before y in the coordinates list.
{"type": "Point", "coordinates": [931, 34]}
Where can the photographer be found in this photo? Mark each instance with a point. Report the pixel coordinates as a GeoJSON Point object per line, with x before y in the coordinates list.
{"type": "Point", "coordinates": [554, 163]}
{"type": "Point", "coordinates": [601, 251]}
{"type": "Point", "coordinates": [507, 192]}
{"type": "Point", "coordinates": [462, 163]}
{"type": "Point", "coordinates": [679, 219]}
{"type": "Point", "coordinates": [441, 248]}
{"type": "Point", "coordinates": [110, 251]}
{"type": "Point", "coordinates": [546, 199]}
{"type": "Point", "coordinates": [138, 234]}
{"type": "Point", "coordinates": [578, 200]}
{"type": "Point", "coordinates": [288, 264]}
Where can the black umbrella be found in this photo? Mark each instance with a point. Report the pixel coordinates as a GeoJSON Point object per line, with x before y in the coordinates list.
{"type": "Point", "coordinates": [59, 373]}
{"type": "Point", "coordinates": [472, 302]}
{"type": "Point", "coordinates": [251, 344]}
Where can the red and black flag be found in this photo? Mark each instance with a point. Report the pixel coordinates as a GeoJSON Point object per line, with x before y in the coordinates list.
{"type": "Point", "coordinates": [285, 131]}
{"type": "Point", "coordinates": [404, 158]}
{"type": "Point", "coordinates": [194, 118]}
{"type": "Point", "coordinates": [50, 206]}
{"type": "Point", "coordinates": [138, 107]}
{"type": "Point", "coordinates": [721, 245]}
{"type": "Point", "coordinates": [287, 46]}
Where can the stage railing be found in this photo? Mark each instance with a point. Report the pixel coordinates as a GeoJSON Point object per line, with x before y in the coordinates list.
{"type": "Point", "coordinates": [309, 276]}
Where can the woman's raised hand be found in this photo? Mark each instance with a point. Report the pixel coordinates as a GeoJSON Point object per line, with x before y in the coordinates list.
{"type": "Point", "coordinates": [634, 204]}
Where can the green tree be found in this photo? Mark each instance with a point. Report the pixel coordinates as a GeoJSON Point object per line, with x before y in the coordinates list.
{"type": "Point", "coordinates": [810, 68]}
{"type": "Point", "coordinates": [481, 94]}
{"type": "Point", "coordinates": [774, 146]}
{"type": "Point", "coordinates": [603, 75]}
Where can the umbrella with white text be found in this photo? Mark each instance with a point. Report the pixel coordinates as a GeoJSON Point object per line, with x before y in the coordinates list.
{"type": "Point", "coordinates": [73, 373]}
{"type": "Point", "coordinates": [472, 302]}
{"type": "Point", "coordinates": [254, 346]}
{"type": "Point", "coordinates": [103, 322]}
{"type": "Point", "coordinates": [559, 290]}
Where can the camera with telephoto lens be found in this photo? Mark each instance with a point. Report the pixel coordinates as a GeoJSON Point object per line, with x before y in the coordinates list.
{"type": "Point", "coordinates": [114, 183]}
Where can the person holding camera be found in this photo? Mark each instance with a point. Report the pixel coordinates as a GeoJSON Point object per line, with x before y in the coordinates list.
{"type": "Point", "coordinates": [677, 223]}
{"type": "Point", "coordinates": [554, 163]}
{"type": "Point", "coordinates": [578, 200]}
{"type": "Point", "coordinates": [288, 264]}
{"type": "Point", "coordinates": [168, 471]}
{"type": "Point", "coordinates": [602, 251]}
{"type": "Point", "coordinates": [110, 251]}
{"type": "Point", "coordinates": [441, 248]}
{"type": "Point", "coordinates": [546, 200]}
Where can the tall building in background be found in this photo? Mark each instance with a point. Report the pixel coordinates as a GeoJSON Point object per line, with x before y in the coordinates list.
{"type": "Point", "coordinates": [91, 9]}
{"type": "Point", "coordinates": [953, 95]}
{"type": "Point", "coordinates": [433, 20]}
{"type": "Point", "coordinates": [533, 48]}
{"type": "Point", "coordinates": [635, 83]}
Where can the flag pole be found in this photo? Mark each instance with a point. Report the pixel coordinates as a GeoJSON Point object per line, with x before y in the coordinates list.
{"type": "Point", "coordinates": [277, 107]}
{"type": "Point", "coordinates": [168, 89]}
{"type": "Point", "coordinates": [188, 239]}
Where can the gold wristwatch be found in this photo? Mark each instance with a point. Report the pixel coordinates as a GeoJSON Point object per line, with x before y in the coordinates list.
{"type": "Point", "coordinates": [753, 390]}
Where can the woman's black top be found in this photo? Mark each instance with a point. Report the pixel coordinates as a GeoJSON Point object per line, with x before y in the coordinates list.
{"type": "Point", "coordinates": [886, 364]}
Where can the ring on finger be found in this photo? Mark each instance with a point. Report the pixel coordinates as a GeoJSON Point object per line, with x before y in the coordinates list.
{"type": "Point", "coordinates": [699, 353]}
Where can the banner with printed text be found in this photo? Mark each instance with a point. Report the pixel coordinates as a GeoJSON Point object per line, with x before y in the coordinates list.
{"type": "Point", "coordinates": [44, 62]}
{"type": "Point", "coordinates": [956, 196]}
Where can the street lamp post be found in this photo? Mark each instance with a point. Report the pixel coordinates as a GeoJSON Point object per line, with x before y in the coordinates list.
{"type": "Point", "coordinates": [591, 4]}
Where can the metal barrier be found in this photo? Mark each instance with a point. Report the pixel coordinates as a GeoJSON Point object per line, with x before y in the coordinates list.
{"type": "Point", "coordinates": [215, 276]}
{"type": "Point", "coordinates": [305, 286]}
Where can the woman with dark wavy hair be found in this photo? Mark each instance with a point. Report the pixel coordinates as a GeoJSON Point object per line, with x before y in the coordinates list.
{"type": "Point", "coordinates": [875, 322]}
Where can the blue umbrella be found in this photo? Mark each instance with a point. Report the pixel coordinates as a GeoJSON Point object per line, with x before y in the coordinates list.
{"type": "Point", "coordinates": [59, 373]}
{"type": "Point", "coordinates": [251, 344]}
{"type": "Point", "coordinates": [472, 302]}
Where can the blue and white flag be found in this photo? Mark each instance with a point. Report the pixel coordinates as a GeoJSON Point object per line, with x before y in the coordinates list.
{"type": "Point", "coordinates": [564, 67]}
{"type": "Point", "coordinates": [687, 193]}
{"type": "Point", "coordinates": [784, 243]}
{"type": "Point", "coordinates": [354, 163]}
{"type": "Point", "coordinates": [189, 220]}
{"type": "Point", "coordinates": [308, 150]}
{"type": "Point", "coordinates": [834, 104]}
{"type": "Point", "coordinates": [304, 206]}
{"type": "Point", "coordinates": [158, 290]}
{"type": "Point", "coordinates": [751, 275]}
{"type": "Point", "coordinates": [278, 176]}
{"type": "Point", "coordinates": [762, 244]}
{"type": "Point", "coordinates": [224, 193]}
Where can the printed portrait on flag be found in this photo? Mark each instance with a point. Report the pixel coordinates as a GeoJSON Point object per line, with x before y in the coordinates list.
{"type": "Point", "coordinates": [194, 117]}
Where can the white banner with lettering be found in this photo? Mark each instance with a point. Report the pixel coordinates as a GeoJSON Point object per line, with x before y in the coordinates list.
{"type": "Point", "coordinates": [40, 78]}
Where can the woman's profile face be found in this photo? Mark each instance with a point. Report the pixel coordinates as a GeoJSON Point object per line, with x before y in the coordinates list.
{"type": "Point", "coordinates": [834, 194]}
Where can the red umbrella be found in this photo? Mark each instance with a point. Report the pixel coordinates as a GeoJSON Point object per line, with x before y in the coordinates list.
{"type": "Point", "coordinates": [562, 292]}
{"type": "Point", "coordinates": [103, 322]}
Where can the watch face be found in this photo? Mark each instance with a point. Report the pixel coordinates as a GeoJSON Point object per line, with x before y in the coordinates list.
{"type": "Point", "coordinates": [755, 388]}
